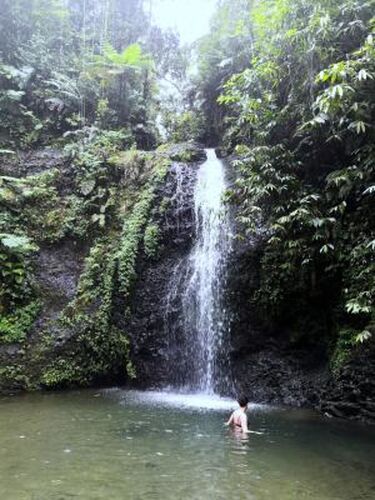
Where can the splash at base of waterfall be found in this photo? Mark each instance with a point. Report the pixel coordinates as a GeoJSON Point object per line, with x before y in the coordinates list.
{"type": "Point", "coordinates": [197, 401]}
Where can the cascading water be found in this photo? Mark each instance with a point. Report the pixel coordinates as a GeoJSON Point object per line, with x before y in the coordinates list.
{"type": "Point", "coordinates": [198, 285]}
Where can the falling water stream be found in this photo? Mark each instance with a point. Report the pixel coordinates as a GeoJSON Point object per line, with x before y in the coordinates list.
{"type": "Point", "coordinates": [198, 283]}
{"type": "Point", "coordinates": [203, 299]}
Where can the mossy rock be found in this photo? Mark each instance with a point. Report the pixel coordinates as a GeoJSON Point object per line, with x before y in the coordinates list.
{"type": "Point", "coordinates": [185, 152]}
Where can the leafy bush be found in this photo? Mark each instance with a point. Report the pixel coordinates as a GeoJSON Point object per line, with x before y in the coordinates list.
{"type": "Point", "coordinates": [15, 327]}
{"type": "Point", "coordinates": [15, 285]}
{"type": "Point", "coordinates": [300, 115]}
{"type": "Point", "coordinates": [182, 127]}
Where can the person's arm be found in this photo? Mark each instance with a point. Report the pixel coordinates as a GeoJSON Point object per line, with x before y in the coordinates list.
{"type": "Point", "coordinates": [230, 420]}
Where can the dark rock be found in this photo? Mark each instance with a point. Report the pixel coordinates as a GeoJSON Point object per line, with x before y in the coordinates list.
{"type": "Point", "coordinates": [221, 152]}
{"type": "Point", "coordinates": [57, 270]}
{"type": "Point", "coordinates": [265, 363]}
{"type": "Point", "coordinates": [32, 162]}
{"type": "Point", "coordinates": [150, 348]}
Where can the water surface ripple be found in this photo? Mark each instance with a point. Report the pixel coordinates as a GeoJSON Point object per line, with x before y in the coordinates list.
{"type": "Point", "coordinates": [117, 445]}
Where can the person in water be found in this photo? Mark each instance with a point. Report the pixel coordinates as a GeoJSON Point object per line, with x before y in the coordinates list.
{"type": "Point", "coordinates": [238, 419]}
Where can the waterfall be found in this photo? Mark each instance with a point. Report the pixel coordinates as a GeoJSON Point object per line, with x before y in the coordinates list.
{"type": "Point", "coordinates": [198, 285]}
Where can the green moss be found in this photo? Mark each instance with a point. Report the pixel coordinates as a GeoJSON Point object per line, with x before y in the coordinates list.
{"type": "Point", "coordinates": [163, 148]}
{"type": "Point", "coordinates": [95, 353]}
{"type": "Point", "coordinates": [160, 168]}
{"type": "Point", "coordinates": [182, 152]}
{"type": "Point", "coordinates": [132, 160]}
{"type": "Point", "coordinates": [14, 327]}
{"type": "Point", "coordinates": [131, 237]}
{"type": "Point", "coordinates": [151, 240]}
{"type": "Point", "coordinates": [15, 289]}
{"type": "Point", "coordinates": [242, 150]}
{"type": "Point", "coordinates": [164, 205]}
{"type": "Point", "coordinates": [344, 348]}
{"type": "Point", "coordinates": [134, 228]}
{"type": "Point", "coordinates": [99, 347]}
{"type": "Point", "coordinates": [185, 156]}
{"type": "Point", "coordinates": [36, 205]}
{"type": "Point", "coordinates": [61, 372]}
{"type": "Point", "coordinates": [67, 217]}
{"type": "Point", "coordinates": [12, 375]}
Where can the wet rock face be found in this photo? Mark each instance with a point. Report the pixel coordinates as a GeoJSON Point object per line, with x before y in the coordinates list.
{"type": "Point", "coordinates": [58, 268]}
{"type": "Point", "coordinates": [33, 162]}
{"type": "Point", "coordinates": [265, 365]}
{"type": "Point", "coordinates": [278, 374]}
{"type": "Point", "coordinates": [57, 271]}
{"type": "Point", "coordinates": [177, 222]}
{"type": "Point", "coordinates": [351, 393]}
{"type": "Point", "coordinates": [146, 327]}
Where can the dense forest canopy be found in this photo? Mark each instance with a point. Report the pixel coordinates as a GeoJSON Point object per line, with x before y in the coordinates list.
{"type": "Point", "coordinates": [285, 87]}
{"type": "Point", "coordinates": [71, 64]}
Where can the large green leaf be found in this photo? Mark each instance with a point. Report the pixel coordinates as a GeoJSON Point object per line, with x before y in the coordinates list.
{"type": "Point", "coordinates": [17, 243]}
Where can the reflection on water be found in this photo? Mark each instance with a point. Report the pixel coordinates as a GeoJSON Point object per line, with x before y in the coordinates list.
{"type": "Point", "coordinates": [114, 445]}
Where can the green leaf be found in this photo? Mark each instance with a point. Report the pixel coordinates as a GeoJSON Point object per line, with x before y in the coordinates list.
{"type": "Point", "coordinates": [87, 186]}
{"type": "Point", "coordinates": [327, 248]}
{"type": "Point", "coordinates": [363, 336]}
{"type": "Point", "coordinates": [15, 95]}
{"type": "Point", "coordinates": [7, 152]}
{"type": "Point", "coordinates": [21, 244]}
{"type": "Point", "coordinates": [355, 307]}
{"type": "Point", "coordinates": [369, 190]}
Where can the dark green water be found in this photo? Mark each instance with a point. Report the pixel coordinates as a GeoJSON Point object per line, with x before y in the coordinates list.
{"type": "Point", "coordinates": [127, 445]}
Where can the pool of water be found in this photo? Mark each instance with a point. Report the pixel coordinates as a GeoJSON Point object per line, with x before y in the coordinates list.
{"type": "Point", "coordinates": [115, 445]}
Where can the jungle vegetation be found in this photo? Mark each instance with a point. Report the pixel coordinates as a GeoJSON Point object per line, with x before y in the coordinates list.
{"type": "Point", "coordinates": [289, 87]}
{"type": "Point", "coordinates": [286, 88]}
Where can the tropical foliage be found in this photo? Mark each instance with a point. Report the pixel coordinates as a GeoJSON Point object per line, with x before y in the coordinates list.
{"type": "Point", "coordinates": [66, 64]}
{"type": "Point", "coordinates": [285, 87]}
{"type": "Point", "coordinates": [300, 117]}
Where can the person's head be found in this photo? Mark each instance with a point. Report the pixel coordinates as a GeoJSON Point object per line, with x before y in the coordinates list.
{"type": "Point", "coordinates": [243, 401]}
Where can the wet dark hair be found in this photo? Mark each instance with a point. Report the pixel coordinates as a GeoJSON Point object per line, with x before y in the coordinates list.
{"type": "Point", "coordinates": [243, 401]}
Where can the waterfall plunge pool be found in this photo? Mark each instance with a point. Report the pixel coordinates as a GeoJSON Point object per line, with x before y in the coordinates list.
{"type": "Point", "coordinates": [115, 445]}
